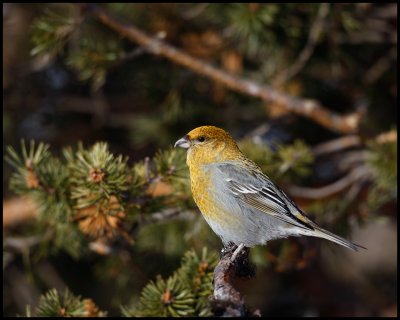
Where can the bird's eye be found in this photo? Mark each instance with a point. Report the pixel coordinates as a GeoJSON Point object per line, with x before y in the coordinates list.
{"type": "Point", "coordinates": [201, 139]}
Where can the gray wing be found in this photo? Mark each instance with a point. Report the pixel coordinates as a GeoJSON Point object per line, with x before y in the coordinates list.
{"type": "Point", "coordinates": [254, 189]}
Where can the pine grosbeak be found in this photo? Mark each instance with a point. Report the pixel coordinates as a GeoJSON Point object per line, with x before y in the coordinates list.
{"type": "Point", "coordinates": [240, 203]}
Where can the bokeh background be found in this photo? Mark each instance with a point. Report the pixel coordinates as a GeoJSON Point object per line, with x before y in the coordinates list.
{"type": "Point", "coordinates": [67, 77]}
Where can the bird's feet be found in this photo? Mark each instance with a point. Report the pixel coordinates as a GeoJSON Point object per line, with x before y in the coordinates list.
{"type": "Point", "coordinates": [237, 257]}
{"type": "Point", "coordinates": [228, 249]}
{"type": "Point", "coordinates": [237, 252]}
{"type": "Point", "coordinates": [232, 250]}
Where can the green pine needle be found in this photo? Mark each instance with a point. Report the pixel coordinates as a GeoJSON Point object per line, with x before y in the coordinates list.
{"type": "Point", "coordinates": [53, 304]}
{"type": "Point", "coordinates": [382, 162]}
{"type": "Point", "coordinates": [51, 30]}
{"type": "Point", "coordinates": [96, 175]}
{"type": "Point", "coordinates": [185, 293]}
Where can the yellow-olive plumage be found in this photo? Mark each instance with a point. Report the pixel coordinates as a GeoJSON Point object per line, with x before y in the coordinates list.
{"type": "Point", "coordinates": [239, 202]}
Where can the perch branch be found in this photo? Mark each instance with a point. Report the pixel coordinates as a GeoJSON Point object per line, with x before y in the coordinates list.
{"type": "Point", "coordinates": [305, 107]}
{"type": "Point", "coordinates": [226, 300]}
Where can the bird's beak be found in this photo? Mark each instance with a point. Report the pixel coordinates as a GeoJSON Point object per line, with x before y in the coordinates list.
{"type": "Point", "coordinates": [183, 143]}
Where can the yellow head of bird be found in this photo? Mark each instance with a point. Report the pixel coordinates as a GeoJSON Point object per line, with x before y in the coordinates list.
{"type": "Point", "coordinates": [208, 144]}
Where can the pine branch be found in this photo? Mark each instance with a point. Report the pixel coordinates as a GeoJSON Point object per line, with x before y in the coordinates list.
{"type": "Point", "coordinates": [92, 192]}
{"type": "Point", "coordinates": [305, 107]}
{"type": "Point", "coordinates": [287, 161]}
{"type": "Point", "coordinates": [363, 166]}
{"type": "Point", "coordinates": [52, 30]}
{"type": "Point", "coordinates": [53, 304]}
{"type": "Point", "coordinates": [185, 293]}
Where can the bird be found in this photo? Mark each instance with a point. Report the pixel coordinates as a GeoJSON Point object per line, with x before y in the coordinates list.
{"type": "Point", "coordinates": [238, 201]}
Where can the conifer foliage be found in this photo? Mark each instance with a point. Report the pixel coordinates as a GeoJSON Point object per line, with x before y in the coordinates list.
{"type": "Point", "coordinates": [307, 90]}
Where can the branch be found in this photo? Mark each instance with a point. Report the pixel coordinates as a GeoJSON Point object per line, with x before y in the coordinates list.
{"type": "Point", "coordinates": [167, 214]}
{"type": "Point", "coordinates": [336, 145]}
{"type": "Point", "coordinates": [387, 137]}
{"type": "Point", "coordinates": [350, 141]}
{"type": "Point", "coordinates": [305, 107]}
{"type": "Point", "coordinates": [381, 66]}
{"type": "Point", "coordinates": [22, 244]}
{"type": "Point", "coordinates": [359, 173]}
{"type": "Point", "coordinates": [307, 51]}
{"type": "Point", "coordinates": [226, 300]}
{"type": "Point", "coordinates": [18, 210]}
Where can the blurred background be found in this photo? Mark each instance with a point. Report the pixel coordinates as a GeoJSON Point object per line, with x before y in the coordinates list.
{"type": "Point", "coordinates": [69, 78]}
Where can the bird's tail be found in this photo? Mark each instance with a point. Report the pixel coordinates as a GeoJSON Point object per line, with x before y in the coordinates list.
{"type": "Point", "coordinates": [322, 233]}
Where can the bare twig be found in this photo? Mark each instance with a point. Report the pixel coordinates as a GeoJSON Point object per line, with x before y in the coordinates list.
{"type": "Point", "coordinates": [136, 52]}
{"type": "Point", "coordinates": [336, 145]}
{"type": "Point", "coordinates": [386, 137]}
{"type": "Point", "coordinates": [350, 141]}
{"type": "Point", "coordinates": [383, 64]}
{"type": "Point", "coordinates": [22, 290]}
{"type": "Point", "coordinates": [357, 174]}
{"type": "Point", "coordinates": [352, 159]}
{"type": "Point", "coordinates": [49, 275]}
{"type": "Point", "coordinates": [388, 11]}
{"type": "Point", "coordinates": [305, 107]}
{"type": "Point", "coordinates": [369, 36]}
{"type": "Point", "coordinates": [304, 56]}
{"type": "Point", "coordinates": [163, 215]}
{"type": "Point", "coordinates": [259, 131]}
{"type": "Point", "coordinates": [22, 244]}
{"type": "Point", "coordinates": [18, 210]}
